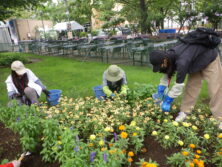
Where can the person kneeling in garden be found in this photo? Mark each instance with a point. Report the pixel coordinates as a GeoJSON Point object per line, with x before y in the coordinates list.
{"type": "Point", "coordinates": [114, 80]}
{"type": "Point", "coordinates": [23, 85]}
{"type": "Point", "coordinates": [198, 56]}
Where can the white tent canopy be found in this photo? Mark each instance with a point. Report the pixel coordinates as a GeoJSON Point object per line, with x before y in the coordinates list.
{"type": "Point", "coordinates": [64, 26]}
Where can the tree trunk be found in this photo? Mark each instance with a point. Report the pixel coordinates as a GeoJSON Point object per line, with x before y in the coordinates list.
{"type": "Point", "coordinates": [144, 15]}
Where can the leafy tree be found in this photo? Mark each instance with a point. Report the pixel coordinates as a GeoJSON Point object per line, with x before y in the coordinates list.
{"type": "Point", "coordinates": [212, 10]}
{"type": "Point", "coordinates": [10, 7]}
{"type": "Point", "coordinates": [185, 12]}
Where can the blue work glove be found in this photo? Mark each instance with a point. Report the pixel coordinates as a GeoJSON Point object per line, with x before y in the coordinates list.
{"type": "Point", "coordinates": [158, 97]}
{"type": "Point", "coordinates": [167, 103]}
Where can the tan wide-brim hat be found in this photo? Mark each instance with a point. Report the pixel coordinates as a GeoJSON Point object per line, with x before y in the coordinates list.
{"type": "Point", "coordinates": [114, 73]}
{"type": "Point", "coordinates": [18, 67]}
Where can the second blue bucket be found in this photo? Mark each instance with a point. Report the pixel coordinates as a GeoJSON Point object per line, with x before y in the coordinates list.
{"type": "Point", "coordinates": [98, 90]}
{"type": "Point", "coordinates": [54, 96]}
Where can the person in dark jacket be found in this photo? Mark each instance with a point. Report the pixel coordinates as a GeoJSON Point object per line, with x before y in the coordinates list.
{"type": "Point", "coordinates": [114, 80]}
{"type": "Point", "coordinates": [201, 63]}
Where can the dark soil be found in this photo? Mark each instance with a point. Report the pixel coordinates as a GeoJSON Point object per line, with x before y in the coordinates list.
{"type": "Point", "coordinates": [155, 152]}
{"type": "Point", "coordinates": [11, 149]}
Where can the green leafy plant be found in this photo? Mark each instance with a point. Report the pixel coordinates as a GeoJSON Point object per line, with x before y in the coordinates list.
{"type": "Point", "coordinates": [7, 59]}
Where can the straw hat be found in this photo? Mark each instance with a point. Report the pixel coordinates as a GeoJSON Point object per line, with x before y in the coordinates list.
{"type": "Point", "coordinates": [18, 67]}
{"type": "Point", "coordinates": [114, 73]}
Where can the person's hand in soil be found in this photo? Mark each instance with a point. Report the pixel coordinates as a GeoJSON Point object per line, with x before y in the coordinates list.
{"type": "Point", "coordinates": [16, 163]}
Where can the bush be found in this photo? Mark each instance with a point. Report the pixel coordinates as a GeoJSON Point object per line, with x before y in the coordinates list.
{"type": "Point", "coordinates": [7, 58]}
{"type": "Point", "coordinates": [83, 34]}
{"type": "Point", "coordinates": [94, 33]}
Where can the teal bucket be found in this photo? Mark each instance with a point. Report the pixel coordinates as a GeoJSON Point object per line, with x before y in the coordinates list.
{"type": "Point", "coordinates": [54, 96]}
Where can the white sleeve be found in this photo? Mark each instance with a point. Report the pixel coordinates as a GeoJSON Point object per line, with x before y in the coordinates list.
{"type": "Point", "coordinates": [32, 76]}
{"type": "Point", "coordinates": [9, 84]}
{"type": "Point", "coordinates": [124, 79]}
{"type": "Point", "coordinates": [104, 79]}
{"type": "Point", "coordinates": [164, 80]}
{"type": "Point", "coordinates": [176, 90]}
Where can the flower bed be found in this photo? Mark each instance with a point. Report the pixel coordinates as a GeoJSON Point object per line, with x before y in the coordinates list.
{"type": "Point", "coordinates": [88, 132]}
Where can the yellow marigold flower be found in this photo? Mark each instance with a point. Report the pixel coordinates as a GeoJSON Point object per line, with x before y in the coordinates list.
{"type": "Point", "coordinates": [124, 135]}
{"type": "Point", "coordinates": [130, 160]}
{"type": "Point", "coordinates": [135, 134]}
{"type": "Point", "coordinates": [130, 154]}
{"type": "Point", "coordinates": [59, 142]}
{"type": "Point", "coordinates": [196, 156]}
{"type": "Point", "coordinates": [175, 123]}
{"type": "Point", "coordinates": [122, 127]}
{"type": "Point", "coordinates": [110, 144]}
{"type": "Point", "coordinates": [196, 161]}
{"type": "Point", "coordinates": [194, 127]}
{"type": "Point", "coordinates": [220, 153]}
{"type": "Point", "coordinates": [144, 164]}
{"type": "Point", "coordinates": [207, 136]}
{"type": "Point", "coordinates": [199, 152]}
{"type": "Point", "coordinates": [151, 165]}
{"type": "Point", "coordinates": [137, 128]}
{"type": "Point", "coordinates": [154, 133]}
{"type": "Point", "coordinates": [92, 137]}
{"type": "Point", "coordinates": [220, 136]}
{"type": "Point", "coordinates": [192, 146]}
{"type": "Point", "coordinates": [90, 144]}
{"type": "Point", "coordinates": [112, 151]}
{"type": "Point", "coordinates": [192, 164]}
{"type": "Point", "coordinates": [101, 143]}
{"type": "Point", "coordinates": [166, 137]}
{"type": "Point", "coordinates": [200, 163]}
{"type": "Point", "coordinates": [165, 120]}
{"type": "Point", "coordinates": [185, 153]}
{"type": "Point", "coordinates": [133, 123]}
{"type": "Point", "coordinates": [103, 149]}
{"type": "Point", "coordinates": [180, 143]}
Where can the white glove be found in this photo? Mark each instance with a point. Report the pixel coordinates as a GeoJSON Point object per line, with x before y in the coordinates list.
{"type": "Point", "coordinates": [16, 163]}
{"type": "Point", "coordinates": [164, 80]}
{"type": "Point", "coordinates": [176, 90]}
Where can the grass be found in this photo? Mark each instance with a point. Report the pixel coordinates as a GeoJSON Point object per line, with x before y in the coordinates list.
{"type": "Point", "coordinates": [76, 78]}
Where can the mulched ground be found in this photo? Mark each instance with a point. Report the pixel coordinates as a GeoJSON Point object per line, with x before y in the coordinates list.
{"type": "Point", "coordinates": [11, 149]}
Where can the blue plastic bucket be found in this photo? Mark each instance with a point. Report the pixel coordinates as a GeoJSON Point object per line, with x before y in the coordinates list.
{"type": "Point", "coordinates": [54, 96]}
{"type": "Point", "coordinates": [98, 90]}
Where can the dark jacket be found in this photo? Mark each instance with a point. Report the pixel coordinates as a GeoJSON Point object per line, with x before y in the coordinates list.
{"type": "Point", "coordinates": [115, 86]}
{"type": "Point", "coordinates": [190, 58]}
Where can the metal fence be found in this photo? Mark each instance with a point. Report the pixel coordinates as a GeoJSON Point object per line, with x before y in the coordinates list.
{"type": "Point", "coordinates": [118, 51]}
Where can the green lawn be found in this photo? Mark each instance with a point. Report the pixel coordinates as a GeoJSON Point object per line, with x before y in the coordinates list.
{"type": "Point", "coordinates": [76, 78]}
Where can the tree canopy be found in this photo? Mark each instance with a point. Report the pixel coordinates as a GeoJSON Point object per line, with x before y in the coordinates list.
{"type": "Point", "coordinates": [9, 7]}
{"type": "Point", "coordinates": [146, 15]}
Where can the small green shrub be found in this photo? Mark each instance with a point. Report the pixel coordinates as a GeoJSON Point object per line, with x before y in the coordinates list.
{"type": "Point", "coordinates": [83, 34]}
{"type": "Point", "coordinates": [94, 33]}
{"type": "Point", "coordinates": [7, 58]}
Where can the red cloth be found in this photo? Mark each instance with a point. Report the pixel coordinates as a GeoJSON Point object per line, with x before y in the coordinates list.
{"type": "Point", "coordinates": [7, 165]}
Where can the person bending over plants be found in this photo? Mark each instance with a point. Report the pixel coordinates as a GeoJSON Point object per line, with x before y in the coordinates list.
{"type": "Point", "coordinates": [14, 163]}
{"type": "Point", "coordinates": [197, 55]}
{"type": "Point", "coordinates": [23, 85]}
{"type": "Point", "coordinates": [114, 80]}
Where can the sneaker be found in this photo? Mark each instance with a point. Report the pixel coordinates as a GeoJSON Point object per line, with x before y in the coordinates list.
{"type": "Point", "coordinates": [182, 116]}
{"type": "Point", "coordinates": [220, 126]}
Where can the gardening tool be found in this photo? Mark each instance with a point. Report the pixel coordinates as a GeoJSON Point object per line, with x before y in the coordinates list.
{"type": "Point", "coordinates": [23, 155]}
